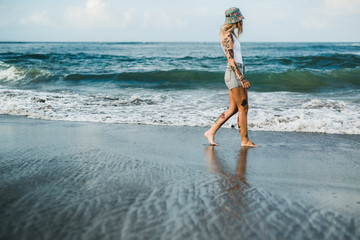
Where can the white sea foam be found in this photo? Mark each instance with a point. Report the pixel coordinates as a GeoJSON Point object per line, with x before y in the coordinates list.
{"type": "Point", "coordinates": [9, 73]}
{"type": "Point", "coordinates": [279, 111]}
{"type": "Point", "coordinates": [295, 113]}
{"type": "Point", "coordinates": [355, 44]}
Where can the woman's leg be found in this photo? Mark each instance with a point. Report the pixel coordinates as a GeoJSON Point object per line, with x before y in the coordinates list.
{"type": "Point", "coordinates": [210, 134]}
{"type": "Point", "coordinates": [241, 100]}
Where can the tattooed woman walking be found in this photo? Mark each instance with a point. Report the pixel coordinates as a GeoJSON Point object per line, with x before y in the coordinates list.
{"type": "Point", "coordinates": [234, 78]}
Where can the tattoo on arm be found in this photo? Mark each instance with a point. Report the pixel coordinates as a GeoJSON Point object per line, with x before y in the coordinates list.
{"type": "Point", "coordinates": [236, 70]}
{"type": "Point", "coordinates": [231, 54]}
{"type": "Point", "coordinates": [229, 51]}
{"type": "Point", "coordinates": [228, 41]}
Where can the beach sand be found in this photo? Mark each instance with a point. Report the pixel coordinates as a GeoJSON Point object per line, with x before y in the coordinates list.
{"type": "Point", "coordinates": [79, 180]}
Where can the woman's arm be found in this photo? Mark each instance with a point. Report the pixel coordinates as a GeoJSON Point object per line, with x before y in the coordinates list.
{"type": "Point", "coordinates": [228, 43]}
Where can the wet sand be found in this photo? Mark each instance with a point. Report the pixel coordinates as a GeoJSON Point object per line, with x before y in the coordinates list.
{"type": "Point", "coordinates": [78, 180]}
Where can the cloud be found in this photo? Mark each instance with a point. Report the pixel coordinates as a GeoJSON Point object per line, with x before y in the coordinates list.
{"type": "Point", "coordinates": [38, 17]}
{"type": "Point", "coordinates": [313, 23]}
{"type": "Point", "coordinates": [342, 7]}
{"type": "Point", "coordinates": [161, 20]}
{"type": "Point", "coordinates": [92, 14]}
{"type": "Point", "coordinates": [124, 18]}
{"type": "Point", "coordinates": [146, 20]}
{"type": "Point", "coordinates": [204, 11]}
{"type": "Point", "coordinates": [98, 14]}
{"type": "Point", "coordinates": [329, 14]}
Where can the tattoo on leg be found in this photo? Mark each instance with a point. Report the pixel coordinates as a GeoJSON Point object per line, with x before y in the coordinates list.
{"type": "Point", "coordinates": [244, 102]}
{"type": "Point", "coordinates": [221, 116]}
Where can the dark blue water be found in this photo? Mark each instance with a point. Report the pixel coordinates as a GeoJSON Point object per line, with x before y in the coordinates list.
{"type": "Point", "coordinates": [321, 76]}
{"type": "Point", "coordinates": [270, 66]}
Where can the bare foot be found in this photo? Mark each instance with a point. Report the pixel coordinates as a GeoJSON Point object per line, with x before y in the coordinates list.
{"type": "Point", "coordinates": [248, 143]}
{"type": "Point", "coordinates": [210, 138]}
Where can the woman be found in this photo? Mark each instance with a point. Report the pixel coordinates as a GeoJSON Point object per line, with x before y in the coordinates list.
{"type": "Point", "coordinates": [234, 78]}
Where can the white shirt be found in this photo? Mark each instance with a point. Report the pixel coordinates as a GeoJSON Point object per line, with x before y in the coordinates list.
{"type": "Point", "coordinates": [237, 49]}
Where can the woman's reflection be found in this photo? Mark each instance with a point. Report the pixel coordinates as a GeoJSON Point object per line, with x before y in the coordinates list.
{"type": "Point", "coordinates": [235, 197]}
{"type": "Point", "coordinates": [235, 181]}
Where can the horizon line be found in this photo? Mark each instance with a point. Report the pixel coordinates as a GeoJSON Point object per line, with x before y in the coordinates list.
{"type": "Point", "coordinates": [144, 42]}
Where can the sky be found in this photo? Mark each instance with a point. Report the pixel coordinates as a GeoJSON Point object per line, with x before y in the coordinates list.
{"type": "Point", "coordinates": [184, 20]}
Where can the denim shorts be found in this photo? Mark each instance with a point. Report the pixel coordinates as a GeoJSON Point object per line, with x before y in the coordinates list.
{"type": "Point", "coordinates": [231, 80]}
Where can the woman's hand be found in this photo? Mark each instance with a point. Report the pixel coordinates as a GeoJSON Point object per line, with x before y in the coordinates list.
{"type": "Point", "coordinates": [245, 83]}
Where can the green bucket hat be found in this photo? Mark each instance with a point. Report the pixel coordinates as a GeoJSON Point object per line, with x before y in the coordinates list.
{"type": "Point", "coordinates": [233, 15]}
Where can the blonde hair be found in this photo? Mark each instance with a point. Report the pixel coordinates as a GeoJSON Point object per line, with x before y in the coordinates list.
{"type": "Point", "coordinates": [230, 27]}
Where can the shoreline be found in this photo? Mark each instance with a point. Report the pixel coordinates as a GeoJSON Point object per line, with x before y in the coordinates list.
{"type": "Point", "coordinates": [87, 180]}
{"type": "Point", "coordinates": [166, 125]}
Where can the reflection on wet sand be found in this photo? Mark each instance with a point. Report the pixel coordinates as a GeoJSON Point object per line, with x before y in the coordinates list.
{"type": "Point", "coordinates": [235, 186]}
{"type": "Point", "coordinates": [237, 181]}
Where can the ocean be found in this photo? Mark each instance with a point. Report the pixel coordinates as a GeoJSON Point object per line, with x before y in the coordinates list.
{"type": "Point", "coordinates": [297, 87]}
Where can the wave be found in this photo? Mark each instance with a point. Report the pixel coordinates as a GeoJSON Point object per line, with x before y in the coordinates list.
{"type": "Point", "coordinates": [281, 111]}
{"type": "Point", "coordinates": [15, 57]}
{"type": "Point", "coordinates": [331, 61]}
{"type": "Point", "coordinates": [174, 79]}
{"type": "Point", "coordinates": [291, 80]}
{"type": "Point", "coordinates": [12, 74]}
{"type": "Point", "coordinates": [308, 63]}
{"type": "Point", "coordinates": [306, 81]}
{"type": "Point", "coordinates": [17, 75]}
